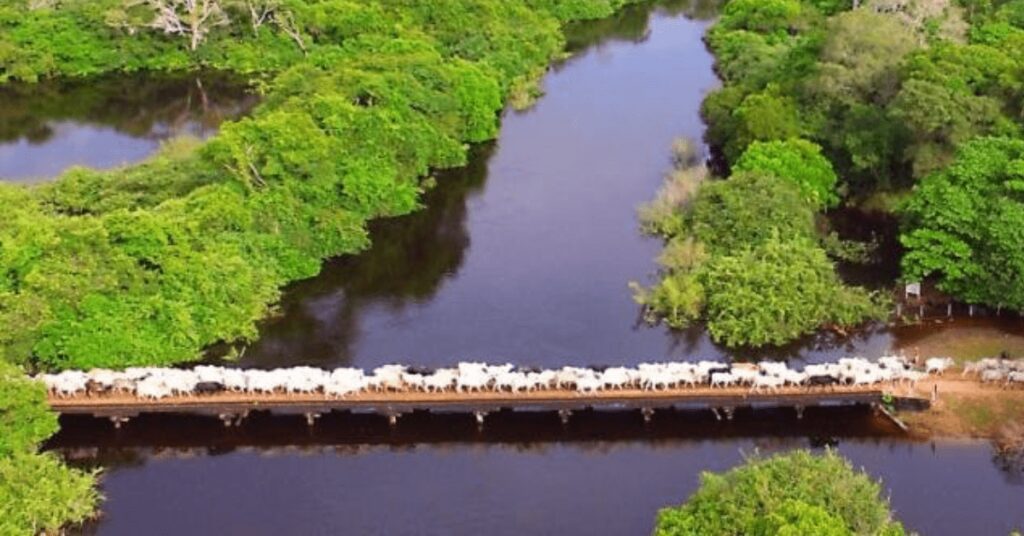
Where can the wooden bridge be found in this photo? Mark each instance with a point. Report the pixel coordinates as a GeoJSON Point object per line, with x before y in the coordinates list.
{"type": "Point", "coordinates": [231, 408]}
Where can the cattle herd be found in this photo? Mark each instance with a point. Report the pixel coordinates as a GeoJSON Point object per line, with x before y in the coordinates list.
{"type": "Point", "coordinates": [766, 376]}
{"type": "Point", "coordinates": [998, 371]}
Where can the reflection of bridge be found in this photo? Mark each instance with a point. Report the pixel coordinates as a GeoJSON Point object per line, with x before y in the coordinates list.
{"type": "Point", "coordinates": [231, 408]}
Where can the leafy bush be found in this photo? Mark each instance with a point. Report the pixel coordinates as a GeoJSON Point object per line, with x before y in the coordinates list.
{"type": "Point", "coordinates": [964, 225]}
{"type": "Point", "coordinates": [743, 254]}
{"type": "Point", "coordinates": [777, 291]}
{"type": "Point", "coordinates": [38, 493]}
{"type": "Point", "coordinates": [795, 160]}
{"type": "Point", "coordinates": [791, 494]}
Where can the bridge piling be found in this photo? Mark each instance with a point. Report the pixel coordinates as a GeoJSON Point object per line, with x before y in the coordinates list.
{"type": "Point", "coordinates": [118, 420]}
{"type": "Point", "coordinates": [232, 419]}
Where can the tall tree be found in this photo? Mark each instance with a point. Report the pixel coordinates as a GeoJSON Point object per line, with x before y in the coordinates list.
{"type": "Point", "coordinates": [965, 225]}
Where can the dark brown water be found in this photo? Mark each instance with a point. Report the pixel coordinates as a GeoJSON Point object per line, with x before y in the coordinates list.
{"type": "Point", "coordinates": [522, 256]}
{"type": "Point", "coordinates": [108, 121]}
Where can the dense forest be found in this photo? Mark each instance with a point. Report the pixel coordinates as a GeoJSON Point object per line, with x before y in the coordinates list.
{"type": "Point", "coordinates": [906, 106]}
{"type": "Point", "coordinates": [149, 264]}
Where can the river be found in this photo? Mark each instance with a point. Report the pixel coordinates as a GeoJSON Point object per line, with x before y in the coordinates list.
{"type": "Point", "coordinates": [107, 121]}
{"type": "Point", "coordinates": [523, 474]}
{"type": "Point", "coordinates": [524, 255]}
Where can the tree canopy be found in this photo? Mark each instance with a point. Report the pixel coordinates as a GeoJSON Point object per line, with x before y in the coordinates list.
{"type": "Point", "coordinates": [891, 92]}
{"type": "Point", "coordinates": [152, 263]}
{"type": "Point", "coordinates": [796, 160]}
{"type": "Point", "coordinates": [743, 253]}
{"type": "Point", "coordinates": [788, 494]}
{"type": "Point", "coordinates": [776, 291]}
{"type": "Point", "coordinates": [38, 493]}
{"type": "Point", "coordinates": [966, 224]}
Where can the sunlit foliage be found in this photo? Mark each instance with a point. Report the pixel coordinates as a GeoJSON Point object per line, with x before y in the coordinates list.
{"type": "Point", "coordinates": [38, 493]}
{"type": "Point", "coordinates": [890, 91]}
{"type": "Point", "coordinates": [788, 494]}
{"type": "Point", "coordinates": [151, 263]}
{"type": "Point", "coordinates": [743, 254]}
{"type": "Point", "coordinates": [966, 223]}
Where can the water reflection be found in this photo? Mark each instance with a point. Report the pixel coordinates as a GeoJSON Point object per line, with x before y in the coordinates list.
{"type": "Point", "coordinates": [575, 486]}
{"type": "Point", "coordinates": [525, 430]}
{"type": "Point", "coordinates": [319, 319]}
{"type": "Point", "coordinates": [106, 121]}
{"type": "Point", "coordinates": [531, 262]}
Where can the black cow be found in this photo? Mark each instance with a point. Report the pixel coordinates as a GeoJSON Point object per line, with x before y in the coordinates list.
{"type": "Point", "coordinates": [209, 388]}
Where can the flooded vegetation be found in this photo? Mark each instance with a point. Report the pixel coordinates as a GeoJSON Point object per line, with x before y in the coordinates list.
{"type": "Point", "coordinates": [107, 121]}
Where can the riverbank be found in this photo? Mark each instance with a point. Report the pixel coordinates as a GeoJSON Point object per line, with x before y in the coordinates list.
{"type": "Point", "coordinates": [966, 408]}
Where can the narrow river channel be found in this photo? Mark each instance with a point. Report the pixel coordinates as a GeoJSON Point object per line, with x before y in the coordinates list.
{"type": "Point", "coordinates": [523, 256]}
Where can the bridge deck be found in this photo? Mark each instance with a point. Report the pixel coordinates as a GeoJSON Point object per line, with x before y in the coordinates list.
{"type": "Point", "coordinates": [396, 403]}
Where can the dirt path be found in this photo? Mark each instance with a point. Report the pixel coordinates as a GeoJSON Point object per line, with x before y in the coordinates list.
{"type": "Point", "coordinates": [966, 407]}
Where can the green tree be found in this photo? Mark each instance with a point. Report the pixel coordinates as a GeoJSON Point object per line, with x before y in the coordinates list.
{"type": "Point", "coordinates": [776, 291]}
{"type": "Point", "coordinates": [795, 160]}
{"type": "Point", "coordinates": [748, 209]}
{"type": "Point", "coordinates": [963, 225]}
{"type": "Point", "coordinates": [762, 117]}
{"type": "Point", "coordinates": [38, 493]}
{"type": "Point", "coordinates": [861, 57]}
{"type": "Point", "coordinates": [763, 16]}
{"type": "Point", "coordinates": [791, 494]}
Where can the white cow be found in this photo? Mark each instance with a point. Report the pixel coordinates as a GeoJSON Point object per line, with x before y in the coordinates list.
{"type": "Point", "coordinates": [937, 365]}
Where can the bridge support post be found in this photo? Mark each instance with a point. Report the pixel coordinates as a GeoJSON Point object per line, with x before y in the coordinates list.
{"type": "Point", "coordinates": [564, 415]}
{"type": "Point", "coordinates": [799, 411]}
{"type": "Point", "coordinates": [311, 418]}
{"type": "Point", "coordinates": [232, 419]}
{"type": "Point", "coordinates": [118, 420]}
{"type": "Point", "coordinates": [647, 413]}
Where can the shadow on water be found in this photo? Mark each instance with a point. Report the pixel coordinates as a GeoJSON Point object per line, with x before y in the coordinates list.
{"type": "Point", "coordinates": [521, 473]}
{"type": "Point", "coordinates": [96, 441]}
{"type": "Point", "coordinates": [410, 258]}
{"type": "Point", "coordinates": [631, 23]}
{"type": "Point", "coordinates": [513, 253]}
{"type": "Point", "coordinates": [109, 120]}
